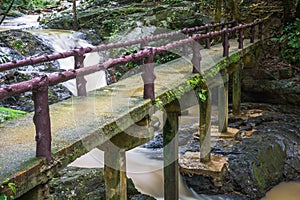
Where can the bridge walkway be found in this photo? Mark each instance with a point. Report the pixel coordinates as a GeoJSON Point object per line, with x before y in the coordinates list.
{"type": "Point", "coordinates": [81, 123]}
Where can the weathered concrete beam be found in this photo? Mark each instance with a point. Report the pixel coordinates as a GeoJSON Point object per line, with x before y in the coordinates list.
{"type": "Point", "coordinates": [136, 135]}
{"type": "Point", "coordinates": [115, 174]}
{"type": "Point", "coordinates": [115, 157]}
{"type": "Point", "coordinates": [223, 104]}
{"type": "Point", "coordinates": [170, 140]}
{"type": "Point", "coordinates": [39, 192]}
{"type": "Point", "coordinates": [236, 89]}
{"type": "Point", "coordinates": [204, 127]}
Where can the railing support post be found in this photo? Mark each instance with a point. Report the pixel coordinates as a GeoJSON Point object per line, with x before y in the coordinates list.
{"type": "Point", "coordinates": [225, 43]}
{"type": "Point", "coordinates": [241, 38]}
{"type": "Point", "coordinates": [41, 119]}
{"type": "Point", "coordinates": [252, 34]}
{"type": "Point", "coordinates": [196, 59]}
{"type": "Point", "coordinates": [115, 174]}
{"type": "Point", "coordinates": [80, 80]}
{"type": "Point", "coordinates": [204, 127]}
{"type": "Point", "coordinates": [233, 32]}
{"type": "Point", "coordinates": [144, 43]}
{"type": "Point", "coordinates": [185, 46]}
{"type": "Point", "coordinates": [170, 141]}
{"type": "Point", "coordinates": [260, 25]}
{"type": "Point", "coordinates": [148, 76]}
{"type": "Point", "coordinates": [223, 104]}
{"type": "Point", "coordinates": [236, 89]}
{"type": "Point", "coordinates": [207, 40]}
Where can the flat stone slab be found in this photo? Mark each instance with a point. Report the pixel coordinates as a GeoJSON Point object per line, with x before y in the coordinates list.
{"type": "Point", "coordinates": [190, 164]}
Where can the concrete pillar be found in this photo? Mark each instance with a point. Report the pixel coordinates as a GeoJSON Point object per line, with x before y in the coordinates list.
{"type": "Point", "coordinates": [115, 174]}
{"type": "Point", "coordinates": [223, 104]}
{"type": "Point", "coordinates": [204, 127]}
{"type": "Point", "coordinates": [170, 140]}
{"type": "Point", "coordinates": [115, 157]}
{"type": "Point", "coordinates": [37, 193]}
{"type": "Point", "coordinates": [236, 90]}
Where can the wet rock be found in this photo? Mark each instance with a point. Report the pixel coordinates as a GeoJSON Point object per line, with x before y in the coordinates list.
{"type": "Point", "coordinates": [281, 87]}
{"type": "Point", "coordinates": [258, 162]}
{"type": "Point", "coordinates": [24, 43]}
{"type": "Point", "coordinates": [16, 45]}
{"type": "Point", "coordinates": [108, 19]}
{"type": "Point", "coordinates": [156, 143]}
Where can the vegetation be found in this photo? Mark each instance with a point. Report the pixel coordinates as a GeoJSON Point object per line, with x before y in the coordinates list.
{"type": "Point", "coordinates": [3, 58]}
{"type": "Point", "coordinates": [289, 42]}
{"type": "Point", "coordinates": [8, 113]}
{"type": "Point", "coordinates": [12, 189]}
{"type": "Point", "coordinates": [22, 5]}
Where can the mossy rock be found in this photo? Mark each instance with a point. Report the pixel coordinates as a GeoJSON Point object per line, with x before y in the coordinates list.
{"type": "Point", "coordinates": [270, 166]}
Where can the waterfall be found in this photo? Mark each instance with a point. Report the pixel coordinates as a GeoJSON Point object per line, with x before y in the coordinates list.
{"type": "Point", "coordinates": [66, 40]}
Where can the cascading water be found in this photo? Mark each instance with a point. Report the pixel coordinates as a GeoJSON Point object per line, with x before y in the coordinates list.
{"type": "Point", "coordinates": [66, 40]}
{"type": "Point", "coordinates": [61, 41]}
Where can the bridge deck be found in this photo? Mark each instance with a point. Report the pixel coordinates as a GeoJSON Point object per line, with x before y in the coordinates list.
{"type": "Point", "coordinates": [78, 124]}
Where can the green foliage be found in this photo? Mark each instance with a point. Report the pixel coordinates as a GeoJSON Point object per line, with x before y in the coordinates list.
{"type": "Point", "coordinates": [290, 42]}
{"type": "Point", "coordinates": [202, 94]}
{"type": "Point", "coordinates": [3, 58]}
{"type": "Point", "coordinates": [34, 4]}
{"type": "Point", "coordinates": [165, 57]}
{"type": "Point", "coordinates": [7, 114]}
{"type": "Point", "coordinates": [171, 1]}
{"type": "Point", "coordinates": [12, 188]}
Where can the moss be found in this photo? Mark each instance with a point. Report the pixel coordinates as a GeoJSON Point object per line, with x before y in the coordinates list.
{"type": "Point", "coordinates": [7, 114]}
{"type": "Point", "coordinates": [271, 161]}
{"type": "Point", "coordinates": [235, 58]}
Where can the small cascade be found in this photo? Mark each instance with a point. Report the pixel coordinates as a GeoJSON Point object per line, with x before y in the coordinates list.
{"type": "Point", "coordinates": [23, 22]}
{"type": "Point", "coordinates": [62, 41]}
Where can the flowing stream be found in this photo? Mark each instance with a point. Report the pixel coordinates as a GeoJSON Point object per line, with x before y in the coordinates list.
{"type": "Point", "coordinates": [140, 167]}
{"type": "Point", "coordinates": [63, 40]}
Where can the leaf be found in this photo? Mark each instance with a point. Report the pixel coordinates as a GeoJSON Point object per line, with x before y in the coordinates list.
{"type": "Point", "coordinates": [12, 186]}
{"type": "Point", "coordinates": [202, 96]}
{"type": "Point", "coordinates": [3, 197]}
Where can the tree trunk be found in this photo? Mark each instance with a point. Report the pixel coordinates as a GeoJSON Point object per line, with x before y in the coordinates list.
{"type": "Point", "coordinates": [233, 6]}
{"type": "Point", "coordinates": [75, 16]}
{"type": "Point", "coordinates": [6, 12]}
{"type": "Point", "coordinates": [288, 6]}
{"type": "Point", "coordinates": [297, 14]}
{"type": "Point", "coordinates": [218, 10]}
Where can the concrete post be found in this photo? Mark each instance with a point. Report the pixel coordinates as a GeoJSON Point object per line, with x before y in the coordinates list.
{"type": "Point", "coordinates": [170, 140]}
{"type": "Point", "coordinates": [80, 80]}
{"type": "Point", "coordinates": [204, 127]}
{"type": "Point", "coordinates": [236, 89]}
{"type": "Point", "coordinates": [223, 104]}
{"type": "Point", "coordinates": [115, 174]}
{"type": "Point", "coordinates": [37, 193]}
{"type": "Point", "coordinates": [115, 158]}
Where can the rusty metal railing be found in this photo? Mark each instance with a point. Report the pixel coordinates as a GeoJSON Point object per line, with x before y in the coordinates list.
{"type": "Point", "coordinates": [40, 83]}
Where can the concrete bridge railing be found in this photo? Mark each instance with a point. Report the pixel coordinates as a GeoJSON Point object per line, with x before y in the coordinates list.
{"type": "Point", "coordinates": [114, 126]}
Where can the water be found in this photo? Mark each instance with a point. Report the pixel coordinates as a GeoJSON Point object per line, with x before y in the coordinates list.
{"type": "Point", "coordinates": [62, 40]}
{"type": "Point", "coordinates": [284, 191]}
{"type": "Point", "coordinates": [23, 22]}
{"type": "Point", "coordinates": [139, 168]}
